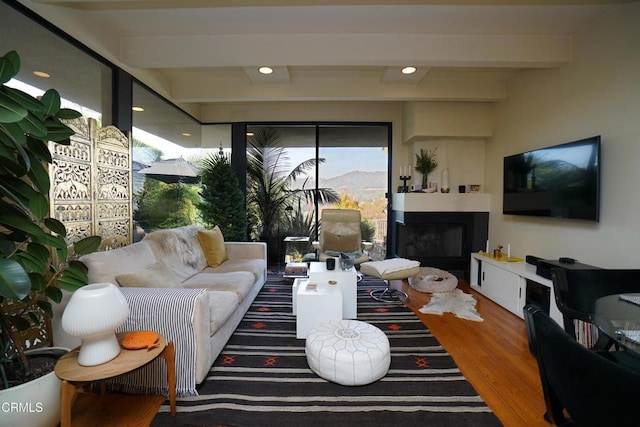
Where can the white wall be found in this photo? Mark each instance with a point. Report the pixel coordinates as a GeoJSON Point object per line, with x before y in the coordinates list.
{"type": "Point", "coordinates": [598, 93]}
{"type": "Point", "coordinates": [464, 157]}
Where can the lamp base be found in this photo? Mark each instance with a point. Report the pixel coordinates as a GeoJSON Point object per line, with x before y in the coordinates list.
{"type": "Point", "coordinates": [98, 349]}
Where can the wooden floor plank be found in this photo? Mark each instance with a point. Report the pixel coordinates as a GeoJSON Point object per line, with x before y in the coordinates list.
{"type": "Point", "coordinates": [493, 355]}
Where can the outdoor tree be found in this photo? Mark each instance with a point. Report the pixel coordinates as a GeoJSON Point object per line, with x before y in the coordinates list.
{"type": "Point", "coordinates": [222, 199]}
{"type": "Point", "coordinates": [270, 184]}
{"type": "Point", "coordinates": [162, 205]}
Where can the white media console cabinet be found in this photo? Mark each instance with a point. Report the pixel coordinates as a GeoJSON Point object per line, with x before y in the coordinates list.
{"type": "Point", "coordinates": [512, 285]}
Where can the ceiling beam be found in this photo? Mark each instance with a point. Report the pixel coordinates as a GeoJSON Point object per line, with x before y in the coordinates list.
{"type": "Point", "coordinates": [246, 50]}
{"type": "Point", "coordinates": [184, 4]}
{"type": "Point", "coordinates": [189, 90]}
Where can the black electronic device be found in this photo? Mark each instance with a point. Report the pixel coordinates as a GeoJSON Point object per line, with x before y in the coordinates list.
{"type": "Point", "coordinates": [532, 259]}
{"type": "Point", "coordinates": [562, 181]}
{"type": "Point", "coordinates": [545, 266]}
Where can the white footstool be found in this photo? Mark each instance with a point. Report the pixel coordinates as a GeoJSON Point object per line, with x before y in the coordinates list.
{"type": "Point", "coordinates": [348, 352]}
{"type": "Point", "coordinates": [390, 269]}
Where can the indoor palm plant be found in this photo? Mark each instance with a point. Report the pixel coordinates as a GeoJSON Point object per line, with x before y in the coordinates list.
{"type": "Point", "coordinates": [35, 259]}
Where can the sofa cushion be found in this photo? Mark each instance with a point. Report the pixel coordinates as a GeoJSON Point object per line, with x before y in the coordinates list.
{"type": "Point", "coordinates": [239, 282]}
{"type": "Point", "coordinates": [253, 265]}
{"type": "Point", "coordinates": [222, 304]}
{"type": "Point", "coordinates": [212, 242]}
{"type": "Point", "coordinates": [156, 275]}
{"type": "Point", "coordinates": [104, 266]}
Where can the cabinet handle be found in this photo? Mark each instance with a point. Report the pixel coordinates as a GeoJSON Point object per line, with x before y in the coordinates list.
{"type": "Point", "coordinates": [483, 276]}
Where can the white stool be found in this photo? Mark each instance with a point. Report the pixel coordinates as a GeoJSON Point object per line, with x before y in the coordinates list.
{"type": "Point", "coordinates": [348, 352]}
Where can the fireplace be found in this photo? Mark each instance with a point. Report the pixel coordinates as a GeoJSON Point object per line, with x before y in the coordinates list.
{"type": "Point", "coordinates": [442, 240]}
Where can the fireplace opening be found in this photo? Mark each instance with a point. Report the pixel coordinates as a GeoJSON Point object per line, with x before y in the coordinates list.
{"type": "Point", "coordinates": [442, 240]}
{"type": "Point", "coordinates": [432, 240]}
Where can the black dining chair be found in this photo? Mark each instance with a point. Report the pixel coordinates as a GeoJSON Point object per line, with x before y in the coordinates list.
{"type": "Point", "coordinates": [581, 387]}
{"type": "Point", "coordinates": [576, 291]}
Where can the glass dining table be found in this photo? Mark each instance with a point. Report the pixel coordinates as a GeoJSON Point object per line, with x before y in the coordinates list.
{"type": "Point", "coordinates": [618, 317]}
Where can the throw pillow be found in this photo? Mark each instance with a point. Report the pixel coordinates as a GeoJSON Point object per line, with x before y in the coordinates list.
{"type": "Point", "coordinates": [156, 275]}
{"type": "Point", "coordinates": [212, 242]}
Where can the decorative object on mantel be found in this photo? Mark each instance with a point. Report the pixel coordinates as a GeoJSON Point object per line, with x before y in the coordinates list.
{"type": "Point", "coordinates": [405, 175]}
{"type": "Point", "coordinates": [444, 181]}
{"type": "Point", "coordinates": [426, 163]}
{"type": "Point", "coordinates": [474, 188]}
{"type": "Point", "coordinates": [456, 302]}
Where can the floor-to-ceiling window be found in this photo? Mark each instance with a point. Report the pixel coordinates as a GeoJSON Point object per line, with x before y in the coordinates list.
{"type": "Point", "coordinates": [167, 137]}
{"type": "Point", "coordinates": [296, 170]}
{"type": "Point", "coordinates": [49, 61]}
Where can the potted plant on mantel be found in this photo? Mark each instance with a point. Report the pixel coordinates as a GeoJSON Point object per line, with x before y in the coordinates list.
{"type": "Point", "coordinates": [35, 260]}
{"type": "Point", "coordinates": [425, 164]}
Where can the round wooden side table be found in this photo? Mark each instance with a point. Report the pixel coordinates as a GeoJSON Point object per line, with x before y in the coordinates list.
{"type": "Point", "coordinates": [74, 376]}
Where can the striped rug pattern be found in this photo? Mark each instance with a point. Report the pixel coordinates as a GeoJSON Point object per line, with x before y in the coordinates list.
{"type": "Point", "coordinates": [262, 378]}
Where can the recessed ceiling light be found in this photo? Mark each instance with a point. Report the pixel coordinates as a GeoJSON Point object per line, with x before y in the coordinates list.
{"type": "Point", "coordinates": [42, 74]}
{"type": "Point", "coordinates": [409, 70]}
{"type": "Point", "coordinates": [137, 109]}
{"type": "Point", "coordinates": [265, 70]}
{"type": "Point", "coordinates": [186, 134]}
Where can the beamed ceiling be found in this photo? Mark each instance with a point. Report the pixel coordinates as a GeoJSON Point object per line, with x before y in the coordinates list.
{"type": "Point", "coordinates": [199, 53]}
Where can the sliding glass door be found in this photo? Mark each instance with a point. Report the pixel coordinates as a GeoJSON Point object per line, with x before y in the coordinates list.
{"type": "Point", "coordinates": [296, 170]}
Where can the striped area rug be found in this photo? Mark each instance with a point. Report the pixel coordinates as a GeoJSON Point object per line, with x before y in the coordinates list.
{"type": "Point", "coordinates": [262, 377]}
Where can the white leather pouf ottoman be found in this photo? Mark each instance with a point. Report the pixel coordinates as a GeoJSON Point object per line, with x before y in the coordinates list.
{"type": "Point", "coordinates": [348, 352]}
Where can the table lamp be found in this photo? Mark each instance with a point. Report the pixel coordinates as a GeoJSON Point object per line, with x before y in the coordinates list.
{"type": "Point", "coordinates": [93, 314]}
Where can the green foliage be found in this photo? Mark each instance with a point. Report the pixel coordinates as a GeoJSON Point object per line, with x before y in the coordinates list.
{"type": "Point", "coordinates": [35, 259]}
{"type": "Point", "coordinates": [222, 199]}
{"type": "Point", "coordinates": [269, 186]}
{"type": "Point", "coordinates": [426, 163]}
{"type": "Point", "coordinates": [162, 205]}
{"type": "Point", "coordinates": [367, 229]}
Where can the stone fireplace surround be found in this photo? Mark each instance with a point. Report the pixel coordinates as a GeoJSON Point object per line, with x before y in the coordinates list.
{"type": "Point", "coordinates": [440, 230]}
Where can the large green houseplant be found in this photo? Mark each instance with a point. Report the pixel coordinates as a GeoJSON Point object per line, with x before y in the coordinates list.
{"type": "Point", "coordinates": [36, 262]}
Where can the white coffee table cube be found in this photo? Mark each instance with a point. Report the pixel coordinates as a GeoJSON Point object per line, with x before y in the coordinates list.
{"type": "Point", "coordinates": [316, 306]}
{"type": "Point", "coordinates": [347, 280]}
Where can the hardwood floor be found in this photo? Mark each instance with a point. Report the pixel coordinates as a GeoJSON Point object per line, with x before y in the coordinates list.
{"type": "Point", "coordinates": [493, 355]}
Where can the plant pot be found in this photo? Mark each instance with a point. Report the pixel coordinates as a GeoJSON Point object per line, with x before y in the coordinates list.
{"type": "Point", "coordinates": [35, 403]}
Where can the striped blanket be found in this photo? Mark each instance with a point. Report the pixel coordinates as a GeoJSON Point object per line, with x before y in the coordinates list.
{"type": "Point", "coordinates": [170, 313]}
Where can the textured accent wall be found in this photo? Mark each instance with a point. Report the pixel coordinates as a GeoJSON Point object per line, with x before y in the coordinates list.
{"type": "Point", "coordinates": [91, 184]}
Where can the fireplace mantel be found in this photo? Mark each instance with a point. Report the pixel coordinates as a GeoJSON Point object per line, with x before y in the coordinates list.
{"type": "Point", "coordinates": [441, 202]}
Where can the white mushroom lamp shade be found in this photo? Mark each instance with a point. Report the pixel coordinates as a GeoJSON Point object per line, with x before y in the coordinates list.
{"type": "Point", "coordinates": [93, 314]}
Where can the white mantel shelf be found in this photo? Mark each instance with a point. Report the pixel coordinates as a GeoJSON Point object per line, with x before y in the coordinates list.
{"type": "Point", "coordinates": [441, 202]}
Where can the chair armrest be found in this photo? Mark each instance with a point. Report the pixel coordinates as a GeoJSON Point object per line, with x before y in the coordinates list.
{"type": "Point", "coordinates": [366, 245]}
{"type": "Point", "coordinates": [181, 316]}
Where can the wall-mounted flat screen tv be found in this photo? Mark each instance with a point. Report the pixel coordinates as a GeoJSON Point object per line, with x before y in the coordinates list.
{"type": "Point", "coordinates": [562, 181]}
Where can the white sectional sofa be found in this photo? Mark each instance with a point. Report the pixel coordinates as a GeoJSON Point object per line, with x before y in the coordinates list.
{"type": "Point", "coordinates": [171, 289]}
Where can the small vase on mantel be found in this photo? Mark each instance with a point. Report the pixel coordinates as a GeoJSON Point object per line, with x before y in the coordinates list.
{"type": "Point", "coordinates": [444, 180]}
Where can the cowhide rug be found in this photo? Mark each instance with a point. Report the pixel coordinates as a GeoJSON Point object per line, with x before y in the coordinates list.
{"type": "Point", "coordinates": [456, 302]}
